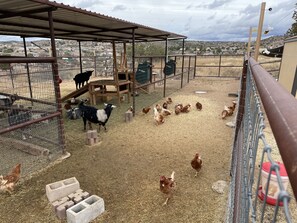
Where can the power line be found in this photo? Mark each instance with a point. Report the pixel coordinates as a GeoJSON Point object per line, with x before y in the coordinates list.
{"type": "Point", "coordinates": [290, 13]}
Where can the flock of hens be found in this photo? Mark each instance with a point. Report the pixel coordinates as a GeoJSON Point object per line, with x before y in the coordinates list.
{"type": "Point", "coordinates": [160, 112]}
{"type": "Point", "coordinates": [167, 184]}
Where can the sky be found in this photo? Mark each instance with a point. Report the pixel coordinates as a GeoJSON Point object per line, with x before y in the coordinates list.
{"type": "Point", "coordinates": [201, 20]}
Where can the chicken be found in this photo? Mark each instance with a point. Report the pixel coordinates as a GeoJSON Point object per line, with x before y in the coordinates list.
{"type": "Point", "coordinates": [167, 185]}
{"type": "Point", "coordinates": [186, 108]}
{"type": "Point", "coordinates": [169, 100]}
{"type": "Point", "coordinates": [199, 106]}
{"type": "Point", "coordinates": [8, 182]}
{"type": "Point", "coordinates": [228, 111]}
{"type": "Point", "coordinates": [232, 107]}
{"type": "Point", "coordinates": [158, 107]}
{"type": "Point", "coordinates": [159, 118]}
{"type": "Point", "coordinates": [196, 163]}
{"type": "Point", "coordinates": [146, 110]}
{"type": "Point", "coordinates": [224, 114]}
{"type": "Point", "coordinates": [130, 109]}
{"type": "Point", "coordinates": [177, 108]}
{"type": "Point", "coordinates": [67, 106]}
{"type": "Point", "coordinates": [165, 112]}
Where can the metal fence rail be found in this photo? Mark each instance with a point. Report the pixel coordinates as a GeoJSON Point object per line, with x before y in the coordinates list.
{"type": "Point", "coordinates": [260, 91]}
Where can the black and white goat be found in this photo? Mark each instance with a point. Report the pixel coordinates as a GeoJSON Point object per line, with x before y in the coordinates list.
{"type": "Point", "coordinates": [94, 115]}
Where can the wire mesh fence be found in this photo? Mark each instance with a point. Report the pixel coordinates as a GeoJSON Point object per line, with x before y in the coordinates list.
{"type": "Point", "coordinates": [258, 175]}
{"type": "Point", "coordinates": [30, 125]}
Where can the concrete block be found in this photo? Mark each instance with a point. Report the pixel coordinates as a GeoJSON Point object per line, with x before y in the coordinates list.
{"type": "Point", "coordinates": [89, 134]}
{"type": "Point", "coordinates": [72, 195]}
{"type": "Point", "coordinates": [94, 134]}
{"type": "Point", "coordinates": [86, 210]}
{"type": "Point", "coordinates": [96, 140]}
{"type": "Point", "coordinates": [78, 196]}
{"type": "Point", "coordinates": [57, 203]}
{"type": "Point", "coordinates": [128, 116]}
{"type": "Point", "coordinates": [59, 189]}
{"type": "Point", "coordinates": [90, 141]}
{"type": "Point", "coordinates": [61, 210]}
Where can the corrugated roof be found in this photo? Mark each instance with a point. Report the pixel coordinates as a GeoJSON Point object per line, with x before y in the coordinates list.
{"type": "Point", "coordinates": [30, 18]}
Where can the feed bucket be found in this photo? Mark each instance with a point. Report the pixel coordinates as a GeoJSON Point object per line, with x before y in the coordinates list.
{"type": "Point", "coordinates": [273, 189]}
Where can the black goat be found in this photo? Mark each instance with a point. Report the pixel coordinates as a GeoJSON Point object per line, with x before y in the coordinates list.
{"type": "Point", "coordinates": [81, 78]}
{"type": "Point", "coordinates": [94, 115]}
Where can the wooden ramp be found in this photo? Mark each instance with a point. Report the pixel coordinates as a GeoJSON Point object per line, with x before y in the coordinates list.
{"type": "Point", "coordinates": [76, 93]}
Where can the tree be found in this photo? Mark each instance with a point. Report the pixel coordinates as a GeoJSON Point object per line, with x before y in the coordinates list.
{"type": "Point", "coordinates": [293, 30]}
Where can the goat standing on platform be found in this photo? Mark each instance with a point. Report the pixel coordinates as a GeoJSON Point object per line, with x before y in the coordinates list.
{"type": "Point", "coordinates": [81, 78]}
{"type": "Point", "coordinates": [94, 115]}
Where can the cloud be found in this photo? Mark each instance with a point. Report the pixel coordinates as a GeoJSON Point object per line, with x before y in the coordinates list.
{"type": "Point", "coordinates": [88, 4]}
{"type": "Point", "coordinates": [212, 16]}
{"type": "Point", "coordinates": [119, 8]}
{"type": "Point", "coordinates": [217, 3]}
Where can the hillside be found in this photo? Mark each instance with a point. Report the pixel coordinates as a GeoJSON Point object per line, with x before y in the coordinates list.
{"type": "Point", "coordinates": [70, 48]}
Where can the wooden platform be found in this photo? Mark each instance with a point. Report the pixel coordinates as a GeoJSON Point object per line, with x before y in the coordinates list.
{"type": "Point", "coordinates": [76, 93]}
{"type": "Point", "coordinates": [109, 88]}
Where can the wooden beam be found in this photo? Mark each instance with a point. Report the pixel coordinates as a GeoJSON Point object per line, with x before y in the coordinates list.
{"type": "Point", "coordinates": [260, 26]}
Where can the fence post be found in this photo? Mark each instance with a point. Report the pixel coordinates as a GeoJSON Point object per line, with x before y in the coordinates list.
{"type": "Point", "coordinates": [220, 61]}
{"type": "Point", "coordinates": [189, 67]}
{"type": "Point", "coordinates": [95, 66]}
{"type": "Point", "coordinates": [195, 63]}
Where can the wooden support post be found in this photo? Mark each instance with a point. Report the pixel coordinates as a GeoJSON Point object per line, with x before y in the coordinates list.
{"type": "Point", "coordinates": [260, 26]}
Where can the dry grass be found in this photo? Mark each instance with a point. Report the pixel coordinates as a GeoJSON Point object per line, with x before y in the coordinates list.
{"type": "Point", "coordinates": [125, 168]}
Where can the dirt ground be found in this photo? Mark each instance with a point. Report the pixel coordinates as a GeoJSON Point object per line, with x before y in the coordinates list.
{"type": "Point", "coordinates": [124, 169]}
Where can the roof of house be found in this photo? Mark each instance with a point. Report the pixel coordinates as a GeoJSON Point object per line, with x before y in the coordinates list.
{"type": "Point", "coordinates": [30, 18]}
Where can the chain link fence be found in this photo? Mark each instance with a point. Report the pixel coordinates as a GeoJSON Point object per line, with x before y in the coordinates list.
{"type": "Point", "coordinates": [258, 176]}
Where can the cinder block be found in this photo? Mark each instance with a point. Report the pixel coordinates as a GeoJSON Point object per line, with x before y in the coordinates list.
{"type": "Point", "coordinates": [128, 116]}
{"type": "Point", "coordinates": [96, 140]}
{"type": "Point", "coordinates": [61, 210]}
{"type": "Point", "coordinates": [86, 210]}
{"type": "Point", "coordinates": [78, 196]}
{"type": "Point", "coordinates": [72, 195]}
{"type": "Point", "coordinates": [90, 141]}
{"type": "Point", "coordinates": [59, 189]}
{"type": "Point", "coordinates": [57, 203]}
{"type": "Point", "coordinates": [94, 134]}
{"type": "Point", "coordinates": [89, 134]}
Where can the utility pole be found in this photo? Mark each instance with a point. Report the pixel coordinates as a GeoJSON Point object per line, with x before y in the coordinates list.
{"type": "Point", "coordinates": [260, 26]}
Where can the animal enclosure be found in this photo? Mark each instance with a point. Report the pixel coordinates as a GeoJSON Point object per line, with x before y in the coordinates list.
{"type": "Point", "coordinates": [30, 124]}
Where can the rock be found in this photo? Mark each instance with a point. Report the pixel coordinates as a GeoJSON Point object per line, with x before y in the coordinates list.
{"type": "Point", "coordinates": [219, 186]}
{"type": "Point", "coordinates": [230, 124]}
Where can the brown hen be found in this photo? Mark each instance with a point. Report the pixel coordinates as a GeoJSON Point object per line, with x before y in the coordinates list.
{"type": "Point", "coordinates": [199, 106]}
{"type": "Point", "coordinates": [8, 182]}
{"type": "Point", "coordinates": [146, 110]}
{"type": "Point", "coordinates": [167, 186]}
{"type": "Point", "coordinates": [196, 163]}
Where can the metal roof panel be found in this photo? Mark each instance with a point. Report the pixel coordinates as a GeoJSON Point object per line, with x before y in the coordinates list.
{"type": "Point", "coordinates": [30, 18]}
